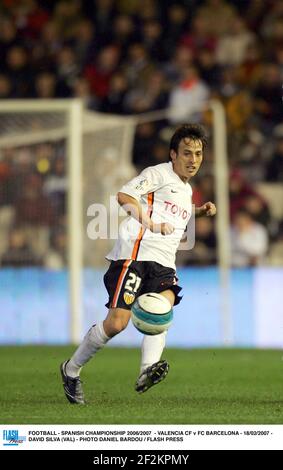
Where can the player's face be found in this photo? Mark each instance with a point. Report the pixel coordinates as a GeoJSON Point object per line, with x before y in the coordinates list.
{"type": "Point", "coordinates": [187, 161]}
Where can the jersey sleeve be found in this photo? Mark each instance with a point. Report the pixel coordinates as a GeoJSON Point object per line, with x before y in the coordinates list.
{"type": "Point", "coordinates": [148, 181]}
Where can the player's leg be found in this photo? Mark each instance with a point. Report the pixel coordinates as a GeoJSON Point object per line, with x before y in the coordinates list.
{"type": "Point", "coordinates": [116, 321]}
{"type": "Point", "coordinates": [153, 370]}
{"type": "Point", "coordinates": [95, 339]}
{"type": "Point", "coordinates": [152, 346]}
{"type": "Point", "coordinates": [162, 280]}
{"type": "Point", "coordinates": [122, 282]}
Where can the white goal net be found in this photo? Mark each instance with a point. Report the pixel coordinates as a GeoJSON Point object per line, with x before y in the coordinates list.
{"type": "Point", "coordinates": [60, 159]}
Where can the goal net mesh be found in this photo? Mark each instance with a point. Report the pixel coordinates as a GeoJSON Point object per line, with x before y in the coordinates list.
{"type": "Point", "coordinates": [34, 183]}
{"type": "Point", "coordinates": [33, 189]}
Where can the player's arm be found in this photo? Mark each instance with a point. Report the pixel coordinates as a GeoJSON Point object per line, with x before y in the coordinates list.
{"type": "Point", "coordinates": [207, 210]}
{"type": "Point", "coordinates": [133, 208]}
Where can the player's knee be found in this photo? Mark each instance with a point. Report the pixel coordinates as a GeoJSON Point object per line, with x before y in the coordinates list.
{"type": "Point", "coordinates": [116, 321]}
{"type": "Point", "coordinates": [119, 325]}
{"type": "Point", "coordinates": [115, 325]}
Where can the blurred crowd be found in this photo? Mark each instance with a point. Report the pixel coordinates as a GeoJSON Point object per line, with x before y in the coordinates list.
{"type": "Point", "coordinates": [132, 57]}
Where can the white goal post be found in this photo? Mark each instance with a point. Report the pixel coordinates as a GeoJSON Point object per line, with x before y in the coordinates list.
{"type": "Point", "coordinates": [71, 122]}
{"type": "Point", "coordinates": [72, 131]}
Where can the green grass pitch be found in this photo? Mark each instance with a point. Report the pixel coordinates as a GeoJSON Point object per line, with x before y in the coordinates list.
{"type": "Point", "coordinates": [220, 386]}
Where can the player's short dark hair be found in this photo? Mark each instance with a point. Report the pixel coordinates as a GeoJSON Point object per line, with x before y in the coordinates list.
{"type": "Point", "coordinates": [188, 131]}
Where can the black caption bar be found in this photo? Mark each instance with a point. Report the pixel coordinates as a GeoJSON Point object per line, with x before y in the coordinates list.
{"type": "Point", "coordinates": [126, 459]}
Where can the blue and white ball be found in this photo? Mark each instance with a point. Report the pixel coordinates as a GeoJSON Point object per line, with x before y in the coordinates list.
{"type": "Point", "coordinates": [152, 313]}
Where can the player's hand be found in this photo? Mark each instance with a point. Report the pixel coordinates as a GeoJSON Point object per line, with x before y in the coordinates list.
{"type": "Point", "coordinates": [208, 209]}
{"type": "Point", "coordinates": [164, 228]}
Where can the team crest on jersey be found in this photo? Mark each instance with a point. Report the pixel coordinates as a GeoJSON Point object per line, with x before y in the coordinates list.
{"type": "Point", "coordinates": [143, 184]}
{"type": "Point", "coordinates": [129, 298]}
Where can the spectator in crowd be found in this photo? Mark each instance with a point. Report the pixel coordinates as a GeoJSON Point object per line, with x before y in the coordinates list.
{"type": "Point", "coordinates": [204, 249]}
{"type": "Point", "coordinates": [124, 33]}
{"type": "Point", "coordinates": [249, 70]}
{"type": "Point", "coordinates": [102, 14]}
{"type": "Point", "coordinates": [152, 38]}
{"type": "Point", "coordinates": [258, 210]}
{"type": "Point", "coordinates": [148, 9]}
{"type": "Point", "coordinates": [81, 89]}
{"type": "Point", "coordinates": [204, 252]}
{"type": "Point", "coordinates": [175, 26]}
{"type": "Point", "coordinates": [268, 97]}
{"type": "Point", "coordinates": [67, 15]}
{"type": "Point", "coordinates": [269, 25]}
{"type": "Point", "coordinates": [240, 191]}
{"type": "Point", "coordinates": [204, 190]}
{"type": "Point", "coordinates": [249, 240]}
{"type": "Point", "coordinates": [231, 47]}
{"type": "Point", "coordinates": [85, 43]}
{"type": "Point", "coordinates": [222, 13]}
{"type": "Point", "coordinates": [33, 208]}
{"type": "Point", "coordinates": [178, 63]}
{"type": "Point", "coordinates": [144, 141]}
{"type": "Point", "coordinates": [274, 169]}
{"type": "Point", "coordinates": [19, 253]}
{"type": "Point", "coordinates": [30, 18]}
{"type": "Point", "coordinates": [6, 179]}
{"type": "Point", "coordinates": [255, 13]}
{"type": "Point", "coordinates": [8, 38]}
{"type": "Point", "coordinates": [46, 86]}
{"type": "Point", "coordinates": [5, 87]}
{"type": "Point", "coordinates": [250, 154]}
{"type": "Point", "coordinates": [279, 60]}
{"type": "Point", "coordinates": [50, 43]}
{"type": "Point", "coordinates": [114, 102]}
{"type": "Point", "coordinates": [56, 186]}
{"type": "Point", "coordinates": [138, 67]}
{"type": "Point", "coordinates": [19, 71]}
{"type": "Point", "coordinates": [100, 72]}
{"type": "Point", "coordinates": [276, 251]}
{"type": "Point", "coordinates": [67, 70]}
{"type": "Point", "coordinates": [159, 153]}
{"type": "Point", "coordinates": [150, 97]}
{"type": "Point", "coordinates": [210, 70]}
{"type": "Point", "coordinates": [199, 36]}
{"type": "Point", "coordinates": [21, 164]}
{"type": "Point", "coordinates": [189, 96]}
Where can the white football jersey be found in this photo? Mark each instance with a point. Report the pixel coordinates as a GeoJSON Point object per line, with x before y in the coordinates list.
{"type": "Point", "coordinates": [165, 198]}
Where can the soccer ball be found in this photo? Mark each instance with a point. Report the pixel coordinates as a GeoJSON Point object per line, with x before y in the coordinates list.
{"type": "Point", "coordinates": [152, 313]}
